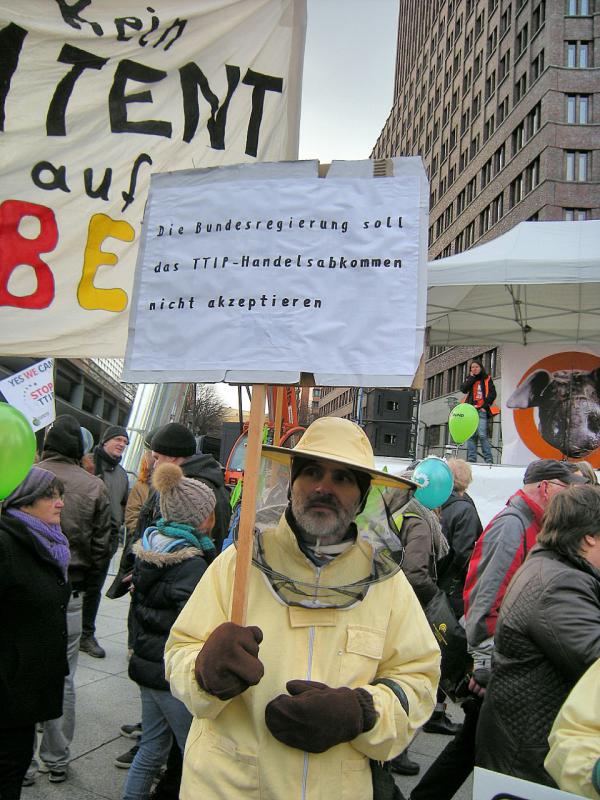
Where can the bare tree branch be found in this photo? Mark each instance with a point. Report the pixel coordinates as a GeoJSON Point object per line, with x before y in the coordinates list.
{"type": "Point", "coordinates": [206, 410]}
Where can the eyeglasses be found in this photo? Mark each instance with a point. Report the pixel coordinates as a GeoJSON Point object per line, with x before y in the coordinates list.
{"type": "Point", "coordinates": [555, 483]}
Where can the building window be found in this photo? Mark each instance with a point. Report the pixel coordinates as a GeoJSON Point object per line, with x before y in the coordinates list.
{"type": "Point", "coordinates": [533, 120]}
{"type": "Point", "coordinates": [486, 173]}
{"type": "Point", "coordinates": [389, 438]}
{"type": "Point", "coordinates": [459, 246]}
{"type": "Point", "coordinates": [499, 159]}
{"type": "Point", "coordinates": [516, 193]}
{"type": "Point", "coordinates": [497, 208]}
{"type": "Point", "coordinates": [490, 85]}
{"type": "Point", "coordinates": [470, 234]}
{"type": "Point", "coordinates": [465, 121]}
{"type": "Point", "coordinates": [476, 105]}
{"type": "Point", "coordinates": [492, 42]}
{"type": "Point", "coordinates": [538, 16]}
{"type": "Point", "coordinates": [468, 43]}
{"type": "Point", "coordinates": [451, 176]}
{"type": "Point", "coordinates": [448, 216]}
{"type": "Point", "coordinates": [505, 21]}
{"type": "Point", "coordinates": [578, 109]}
{"type": "Point", "coordinates": [479, 24]}
{"type": "Point", "coordinates": [504, 66]}
{"type": "Point", "coordinates": [466, 82]}
{"type": "Point", "coordinates": [488, 128]}
{"type": "Point", "coordinates": [460, 202]}
{"type": "Point", "coordinates": [471, 189]}
{"type": "Point", "coordinates": [503, 110]}
{"type": "Point", "coordinates": [537, 66]}
{"type": "Point", "coordinates": [478, 63]}
{"type": "Point", "coordinates": [434, 166]}
{"type": "Point", "coordinates": [575, 214]}
{"type": "Point", "coordinates": [532, 175]}
{"type": "Point", "coordinates": [579, 55]}
{"type": "Point", "coordinates": [518, 138]}
{"type": "Point", "coordinates": [520, 87]}
{"type": "Point", "coordinates": [485, 220]}
{"type": "Point", "coordinates": [474, 147]}
{"type": "Point", "coordinates": [577, 162]}
{"type": "Point", "coordinates": [578, 8]}
{"type": "Point", "coordinates": [463, 160]}
{"type": "Point", "coordinates": [522, 39]}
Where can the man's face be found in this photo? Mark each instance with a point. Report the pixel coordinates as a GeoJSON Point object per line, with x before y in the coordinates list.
{"type": "Point", "coordinates": [115, 446]}
{"type": "Point", "coordinates": [325, 500]}
{"type": "Point", "coordinates": [548, 489]}
{"type": "Point", "coordinates": [475, 369]}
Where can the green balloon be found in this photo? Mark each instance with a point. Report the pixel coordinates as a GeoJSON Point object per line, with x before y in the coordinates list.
{"type": "Point", "coordinates": [17, 448]}
{"type": "Point", "coordinates": [463, 422]}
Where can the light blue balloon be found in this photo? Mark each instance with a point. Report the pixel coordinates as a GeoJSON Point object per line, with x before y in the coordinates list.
{"type": "Point", "coordinates": [435, 482]}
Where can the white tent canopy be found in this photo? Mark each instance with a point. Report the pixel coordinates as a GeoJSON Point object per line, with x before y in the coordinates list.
{"type": "Point", "coordinates": [537, 283]}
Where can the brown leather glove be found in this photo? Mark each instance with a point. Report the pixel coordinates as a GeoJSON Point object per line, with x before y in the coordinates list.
{"type": "Point", "coordinates": [228, 663]}
{"type": "Point", "coordinates": [315, 717]}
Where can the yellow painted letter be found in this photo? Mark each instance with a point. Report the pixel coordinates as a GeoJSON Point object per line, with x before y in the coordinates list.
{"type": "Point", "coordinates": [89, 296]}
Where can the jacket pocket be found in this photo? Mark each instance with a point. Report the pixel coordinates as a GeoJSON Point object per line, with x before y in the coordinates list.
{"type": "Point", "coordinates": [362, 654]}
{"type": "Point", "coordinates": [216, 761]}
{"type": "Point", "coordinates": [356, 779]}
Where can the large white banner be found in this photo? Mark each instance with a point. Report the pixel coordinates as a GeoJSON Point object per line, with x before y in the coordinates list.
{"type": "Point", "coordinates": [97, 95]}
{"type": "Point", "coordinates": [263, 277]}
{"type": "Point", "coordinates": [551, 403]}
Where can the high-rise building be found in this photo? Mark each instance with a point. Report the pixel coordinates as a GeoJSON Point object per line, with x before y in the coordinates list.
{"type": "Point", "coordinates": [501, 98]}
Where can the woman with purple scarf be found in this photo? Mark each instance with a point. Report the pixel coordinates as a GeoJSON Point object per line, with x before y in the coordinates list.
{"type": "Point", "coordinates": [34, 592]}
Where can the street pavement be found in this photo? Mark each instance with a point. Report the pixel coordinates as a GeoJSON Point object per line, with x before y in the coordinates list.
{"type": "Point", "coordinates": [107, 699]}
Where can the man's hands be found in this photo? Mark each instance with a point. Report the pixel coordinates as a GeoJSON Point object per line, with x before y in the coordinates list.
{"type": "Point", "coordinates": [479, 681]}
{"type": "Point", "coordinates": [228, 663]}
{"type": "Point", "coordinates": [314, 717]}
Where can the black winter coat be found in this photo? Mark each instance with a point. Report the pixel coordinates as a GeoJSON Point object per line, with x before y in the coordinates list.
{"type": "Point", "coordinates": [33, 633]}
{"type": "Point", "coordinates": [162, 584]}
{"type": "Point", "coordinates": [548, 634]}
{"type": "Point", "coordinates": [461, 527]}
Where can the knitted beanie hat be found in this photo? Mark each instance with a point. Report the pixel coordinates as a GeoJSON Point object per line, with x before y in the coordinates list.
{"type": "Point", "coordinates": [65, 437]}
{"type": "Point", "coordinates": [174, 439]}
{"type": "Point", "coordinates": [112, 432]}
{"type": "Point", "coordinates": [33, 486]}
{"type": "Point", "coordinates": [181, 499]}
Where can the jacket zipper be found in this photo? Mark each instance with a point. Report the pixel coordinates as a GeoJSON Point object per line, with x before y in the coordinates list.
{"type": "Point", "coordinates": [311, 642]}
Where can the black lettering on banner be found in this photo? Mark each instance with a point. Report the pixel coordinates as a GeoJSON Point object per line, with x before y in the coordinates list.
{"type": "Point", "coordinates": [81, 60]}
{"type": "Point", "coordinates": [192, 78]}
{"type": "Point", "coordinates": [118, 100]}
{"type": "Point", "coordinates": [262, 83]}
{"type": "Point", "coordinates": [129, 196]}
{"type": "Point", "coordinates": [135, 23]}
{"type": "Point", "coordinates": [143, 41]}
{"type": "Point", "coordinates": [178, 23]}
{"type": "Point", "coordinates": [506, 796]}
{"type": "Point", "coordinates": [102, 190]}
{"type": "Point", "coordinates": [70, 14]}
{"type": "Point", "coordinates": [59, 176]}
{"type": "Point", "coordinates": [11, 42]}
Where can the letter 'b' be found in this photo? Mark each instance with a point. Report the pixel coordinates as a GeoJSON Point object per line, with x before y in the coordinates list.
{"type": "Point", "coordinates": [17, 250]}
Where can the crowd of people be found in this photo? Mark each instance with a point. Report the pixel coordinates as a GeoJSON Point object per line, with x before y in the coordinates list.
{"type": "Point", "coordinates": [322, 692]}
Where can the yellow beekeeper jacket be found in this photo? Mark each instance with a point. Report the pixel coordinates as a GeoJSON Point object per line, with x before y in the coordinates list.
{"type": "Point", "coordinates": [574, 757]}
{"type": "Point", "coordinates": [230, 753]}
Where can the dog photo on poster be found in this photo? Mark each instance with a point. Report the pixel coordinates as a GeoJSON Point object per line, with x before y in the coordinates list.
{"type": "Point", "coordinates": [551, 403]}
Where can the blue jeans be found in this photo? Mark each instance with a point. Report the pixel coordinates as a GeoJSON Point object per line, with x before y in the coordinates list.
{"type": "Point", "coordinates": [163, 717]}
{"type": "Point", "coordinates": [481, 436]}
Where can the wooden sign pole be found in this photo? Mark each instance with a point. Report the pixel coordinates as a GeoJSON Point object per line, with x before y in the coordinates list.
{"type": "Point", "coordinates": [248, 509]}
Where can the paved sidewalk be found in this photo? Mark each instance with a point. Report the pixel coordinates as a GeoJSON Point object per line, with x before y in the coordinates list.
{"type": "Point", "coordinates": [106, 699]}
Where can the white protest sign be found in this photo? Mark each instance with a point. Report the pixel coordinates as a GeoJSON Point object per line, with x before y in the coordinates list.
{"type": "Point", "coordinates": [96, 96]}
{"type": "Point", "coordinates": [488, 785]}
{"type": "Point", "coordinates": [32, 392]}
{"type": "Point", "coordinates": [268, 277]}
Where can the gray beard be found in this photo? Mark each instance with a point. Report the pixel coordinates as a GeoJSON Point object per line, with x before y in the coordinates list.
{"type": "Point", "coordinates": [312, 525]}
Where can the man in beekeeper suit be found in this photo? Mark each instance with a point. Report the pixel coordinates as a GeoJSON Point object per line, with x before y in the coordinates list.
{"type": "Point", "coordinates": [338, 664]}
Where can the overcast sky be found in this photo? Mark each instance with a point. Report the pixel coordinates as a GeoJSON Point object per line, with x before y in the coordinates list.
{"type": "Point", "coordinates": [348, 84]}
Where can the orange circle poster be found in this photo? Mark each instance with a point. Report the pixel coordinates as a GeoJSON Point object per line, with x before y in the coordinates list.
{"type": "Point", "coordinates": [565, 389]}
